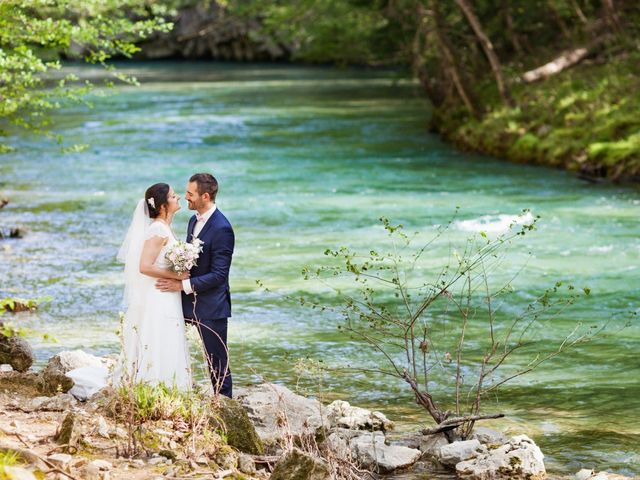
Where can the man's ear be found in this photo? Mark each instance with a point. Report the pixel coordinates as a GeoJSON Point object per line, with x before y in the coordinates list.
{"type": "Point", "coordinates": [206, 196]}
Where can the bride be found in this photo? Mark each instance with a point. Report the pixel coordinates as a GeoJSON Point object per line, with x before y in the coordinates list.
{"type": "Point", "coordinates": [154, 347]}
{"type": "Point", "coordinates": [153, 332]}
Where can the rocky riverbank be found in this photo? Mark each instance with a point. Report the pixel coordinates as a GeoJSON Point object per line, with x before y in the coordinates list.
{"type": "Point", "coordinates": [268, 431]}
{"type": "Point", "coordinates": [207, 31]}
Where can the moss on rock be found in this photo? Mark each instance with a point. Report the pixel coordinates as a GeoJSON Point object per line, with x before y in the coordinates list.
{"type": "Point", "coordinates": [297, 465]}
{"type": "Point", "coordinates": [231, 418]}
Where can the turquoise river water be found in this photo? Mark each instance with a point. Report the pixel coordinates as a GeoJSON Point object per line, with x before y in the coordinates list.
{"type": "Point", "coordinates": [309, 159]}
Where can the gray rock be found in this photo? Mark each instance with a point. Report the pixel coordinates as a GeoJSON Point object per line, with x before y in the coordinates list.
{"type": "Point", "coordinates": [60, 460]}
{"type": "Point", "coordinates": [92, 472]}
{"type": "Point", "coordinates": [456, 452]}
{"type": "Point", "coordinates": [297, 465]}
{"type": "Point", "coordinates": [338, 445]}
{"type": "Point", "coordinates": [206, 30]}
{"type": "Point", "coordinates": [371, 452]}
{"type": "Point", "coordinates": [102, 427]}
{"type": "Point", "coordinates": [16, 352]}
{"type": "Point", "coordinates": [102, 465]}
{"type": "Point", "coordinates": [59, 403]}
{"type": "Point", "coordinates": [234, 421]}
{"type": "Point", "coordinates": [246, 464]}
{"type": "Point", "coordinates": [226, 458]}
{"type": "Point", "coordinates": [587, 474]}
{"type": "Point", "coordinates": [25, 383]}
{"type": "Point", "coordinates": [520, 458]}
{"type": "Point", "coordinates": [276, 411]}
{"type": "Point", "coordinates": [342, 414]}
{"type": "Point", "coordinates": [488, 436]}
{"type": "Point", "coordinates": [5, 368]}
{"type": "Point", "coordinates": [67, 434]}
{"type": "Point", "coordinates": [430, 445]}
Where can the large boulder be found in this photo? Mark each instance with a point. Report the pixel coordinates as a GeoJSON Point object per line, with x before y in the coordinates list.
{"type": "Point", "coordinates": [277, 412]}
{"type": "Point", "coordinates": [15, 351]}
{"type": "Point", "coordinates": [234, 421]}
{"type": "Point", "coordinates": [520, 458]}
{"type": "Point", "coordinates": [371, 452]}
{"type": "Point", "coordinates": [297, 465]}
{"type": "Point", "coordinates": [342, 414]}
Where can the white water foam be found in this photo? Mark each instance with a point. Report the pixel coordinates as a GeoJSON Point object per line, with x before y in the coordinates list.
{"type": "Point", "coordinates": [602, 249]}
{"type": "Point", "coordinates": [494, 223]}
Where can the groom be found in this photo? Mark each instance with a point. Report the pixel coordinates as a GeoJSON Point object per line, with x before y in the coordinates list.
{"type": "Point", "coordinates": [209, 281]}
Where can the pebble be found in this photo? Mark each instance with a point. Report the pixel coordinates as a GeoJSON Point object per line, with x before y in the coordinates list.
{"type": "Point", "coordinates": [103, 428]}
{"type": "Point", "coordinates": [102, 464]}
{"type": "Point", "coordinates": [61, 460]}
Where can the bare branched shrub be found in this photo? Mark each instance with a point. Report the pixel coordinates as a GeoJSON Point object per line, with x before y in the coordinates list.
{"type": "Point", "coordinates": [448, 329]}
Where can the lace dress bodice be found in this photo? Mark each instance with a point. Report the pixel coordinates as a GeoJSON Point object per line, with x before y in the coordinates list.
{"type": "Point", "coordinates": [160, 229]}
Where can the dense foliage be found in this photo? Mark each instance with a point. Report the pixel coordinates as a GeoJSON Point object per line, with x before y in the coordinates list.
{"type": "Point", "coordinates": [476, 59]}
{"type": "Point", "coordinates": [471, 58]}
{"type": "Point", "coordinates": [36, 34]}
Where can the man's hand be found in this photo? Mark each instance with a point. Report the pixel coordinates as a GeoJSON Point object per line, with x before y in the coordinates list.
{"type": "Point", "coordinates": [168, 285]}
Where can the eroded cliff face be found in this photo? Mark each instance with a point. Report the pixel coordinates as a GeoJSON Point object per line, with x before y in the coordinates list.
{"type": "Point", "coordinates": [209, 32]}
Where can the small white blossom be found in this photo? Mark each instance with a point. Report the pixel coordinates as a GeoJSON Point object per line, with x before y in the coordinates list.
{"type": "Point", "coordinates": [183, 256]}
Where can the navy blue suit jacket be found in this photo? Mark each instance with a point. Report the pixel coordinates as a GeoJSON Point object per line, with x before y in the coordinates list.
{"type": "Point", "coordinates": [210, 277]}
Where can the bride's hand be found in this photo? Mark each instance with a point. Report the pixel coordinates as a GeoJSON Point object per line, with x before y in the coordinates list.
{"type": "Point", "coordinates": [182, 275]}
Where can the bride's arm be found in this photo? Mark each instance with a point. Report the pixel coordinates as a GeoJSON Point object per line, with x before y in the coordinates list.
{"type": "Point", "coordinates": [150, 252]}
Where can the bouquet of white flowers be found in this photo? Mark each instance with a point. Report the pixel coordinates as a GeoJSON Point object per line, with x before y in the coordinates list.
{"type": "Point", "coordinates": [183, 256]}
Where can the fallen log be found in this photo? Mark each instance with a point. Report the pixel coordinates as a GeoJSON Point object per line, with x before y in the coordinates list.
{"type": "Point", "coordinates": [566, 60]}
{"type": "Point", "coordinates": [557, 65]}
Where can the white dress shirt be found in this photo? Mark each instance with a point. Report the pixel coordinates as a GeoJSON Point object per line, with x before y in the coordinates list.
{"type": "Point", "coordinates": [200, 223]}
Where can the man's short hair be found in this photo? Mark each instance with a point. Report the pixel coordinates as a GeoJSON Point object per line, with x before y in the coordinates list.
{"type": "Point", "coordinates": [206, 183]}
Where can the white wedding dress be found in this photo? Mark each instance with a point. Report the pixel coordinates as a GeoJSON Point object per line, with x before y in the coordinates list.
{"type": "Point", "coordinates": [154, 347]}
{"type": "Point", "coordinates": [153, 333]}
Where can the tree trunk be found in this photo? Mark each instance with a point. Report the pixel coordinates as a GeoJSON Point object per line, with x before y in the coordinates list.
{"type": "Point", "coordinates": [579, 12]}
{"type": "Point", "coordinates": [558, 19]}
{"type": "Point", "coordinates": [511, 30]}
{"type": "Point", "coordinates": [611, 16]}
{"type": "Point", "coordinates": [451, 63]}
{"type": "Point", "coordinates": [487, 46]}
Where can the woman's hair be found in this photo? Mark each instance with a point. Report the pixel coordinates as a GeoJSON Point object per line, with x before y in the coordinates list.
{"type": "Point", "coordinates": [156, 196]}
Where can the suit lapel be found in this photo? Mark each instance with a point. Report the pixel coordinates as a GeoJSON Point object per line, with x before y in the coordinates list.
{"type": "Point", "coordinates": [192, 225]}
{"type": "Point", "coordinates": [207, 225]}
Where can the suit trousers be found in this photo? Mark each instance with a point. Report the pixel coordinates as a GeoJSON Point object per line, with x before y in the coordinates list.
{"type": "Point", "coordinates": [214, 337]}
